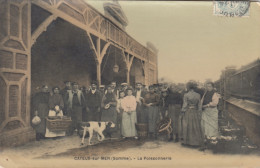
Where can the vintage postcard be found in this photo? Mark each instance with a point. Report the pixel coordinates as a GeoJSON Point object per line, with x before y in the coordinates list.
{"type": "Point", "coordinates": [121, 83]}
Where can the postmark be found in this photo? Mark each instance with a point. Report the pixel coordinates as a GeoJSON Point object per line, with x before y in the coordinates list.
{"type": "Point", "coordinates": [231, 8]}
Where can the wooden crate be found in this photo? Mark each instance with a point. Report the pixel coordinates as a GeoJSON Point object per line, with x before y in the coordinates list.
{"type": "Point", "coordinates": [58, 123]}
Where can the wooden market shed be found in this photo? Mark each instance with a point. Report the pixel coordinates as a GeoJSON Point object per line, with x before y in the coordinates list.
{"type": "Point", "coordinates": [49, 41]}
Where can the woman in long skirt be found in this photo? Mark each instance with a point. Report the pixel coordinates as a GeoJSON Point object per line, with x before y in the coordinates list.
{"type": "Point", "coordinates": [209, 118]}
{"type": "Point", "coordinates": [56, 105]}
{"type": "Point", "coordinates": [151, 102]}
{"type": "Point", "coordinates": [129, 115]}
{"type": "Point", "coordinates": [190, 124]}
{"type": "Point", "coordinates": [40, 104]}
{"type": "Point", "coordinates": [109, 103]}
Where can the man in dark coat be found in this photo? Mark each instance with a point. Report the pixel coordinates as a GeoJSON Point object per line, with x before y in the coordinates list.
{"type": "Point", "coordinates": [63, 93]}
{"type": "Point", "coordinates": [75, 104]}
{"type": "Point", "coordinates": [174, 102]}
{"type": "Point", "coordinates": [139, 95]}
{"type": "Point", "coordinates": [162, 104]}
{"type": "Point", "coordinates": [93, 103]}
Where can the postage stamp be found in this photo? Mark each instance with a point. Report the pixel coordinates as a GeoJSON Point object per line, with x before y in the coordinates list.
{"type": "Point", "coordinates": [231, 8]}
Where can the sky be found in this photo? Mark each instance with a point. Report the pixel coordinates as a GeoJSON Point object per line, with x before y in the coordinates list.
{"type": "Point", "coordinates": [193, 43]}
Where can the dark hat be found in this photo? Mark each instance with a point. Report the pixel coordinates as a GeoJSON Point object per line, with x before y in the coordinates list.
{"type": "Point", "coordinates": [94, 82]}
{"type": "Point", "coordinates": [155, 85]}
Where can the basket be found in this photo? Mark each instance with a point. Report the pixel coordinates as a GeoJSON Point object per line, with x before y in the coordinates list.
{"type": "Point", "coordinates": [164, 126]}
{"type": "Point", "coordinates": [142, 129]}
{"type": "Point", "coordinates": [58, 123]}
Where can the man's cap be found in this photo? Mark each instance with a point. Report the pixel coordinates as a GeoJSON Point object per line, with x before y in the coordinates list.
{"type": "Point", "coordinates": [102, 86]}
{"type": "Point", "coordinates": [94, 82]}
{"type": "Point", "coordinates": [124, 84]}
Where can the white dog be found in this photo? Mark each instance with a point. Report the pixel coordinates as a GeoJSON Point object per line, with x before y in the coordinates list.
{"type": "Point", "coordinates": [96, 126]}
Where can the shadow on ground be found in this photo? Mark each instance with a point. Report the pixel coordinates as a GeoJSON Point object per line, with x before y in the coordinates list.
{"type": "Point", "coordinates": [104, 148]}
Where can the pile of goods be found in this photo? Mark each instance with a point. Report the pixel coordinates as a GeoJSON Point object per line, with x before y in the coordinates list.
{"type": "Point", "coordinates": [232, 140]}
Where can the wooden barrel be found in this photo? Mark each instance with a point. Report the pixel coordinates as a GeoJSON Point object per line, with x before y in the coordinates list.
{"type": "Point", "coordinates": [142, 130]}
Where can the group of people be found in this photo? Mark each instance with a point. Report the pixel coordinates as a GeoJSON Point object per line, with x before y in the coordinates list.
{"type": "Point", "coordinates": [193, 111]}
{"type": "Point", "coordinates": [198, 120]}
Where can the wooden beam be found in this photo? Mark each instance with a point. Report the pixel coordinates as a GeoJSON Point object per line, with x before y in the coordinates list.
{"type": "Point", "coordinates": [86, 27]}
{"type": "Point", "coordinates": [126, 56]}
{"type": "Point", "coordinates": [98, 73]}
{"type": "Point", "coordinates": [128, 76]}
{"type": "Point", "coordinates": [67, 18]}
{"type": "Point", "coordinates": [93, 46]}
{"type": "Point", "coordinates": [104, 50]}
{"type": "Point", "coordinates": [131, 62]}
{"type": "Point", "coordinates": [42, 27]}
{"type": "Point", "coordinates": [94, 19]}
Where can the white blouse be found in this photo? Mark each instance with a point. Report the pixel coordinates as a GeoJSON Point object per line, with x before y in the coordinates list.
{"type": "Point", "coordinates": [128, 103]}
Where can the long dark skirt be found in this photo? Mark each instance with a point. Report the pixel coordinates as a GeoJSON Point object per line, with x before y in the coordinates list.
{"type": "Point", "coordinates": [142, 115]}
{"type": "Point", "coordinates": [109, 115]}
{"type": "Point", "coordinates": [190, 128]}
{"type": "Point", "coordinates": [43, 111]}
{"type": "Point", "coordinates": [153, 118]}
{"type": "Point", "coordinates": [174, 112]}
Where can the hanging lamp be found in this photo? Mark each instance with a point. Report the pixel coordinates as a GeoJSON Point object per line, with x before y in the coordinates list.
{"type": "Point", "coordinates": [116, 67]}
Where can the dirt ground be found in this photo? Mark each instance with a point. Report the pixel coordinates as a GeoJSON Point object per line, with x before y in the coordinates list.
{"type": "Point", "coordinates": [67, 152]}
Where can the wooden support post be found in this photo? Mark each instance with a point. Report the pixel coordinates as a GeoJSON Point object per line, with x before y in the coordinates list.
{"type": "Point", "coordinates": [99, 73]}
{"type": "Point", "coordinates": [128, 76]}
{"type": "Point", "coordinates": [98, 48]}
{"type": "Point", "coordinates": [98, 62]}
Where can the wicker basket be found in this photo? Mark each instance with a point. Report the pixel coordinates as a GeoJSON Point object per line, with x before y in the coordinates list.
{"type": "Point", "coordinates": [58, 123]}
{"type": "Point", "coordinates": [164, 126]}
{"type": "Point", "coordinates": [142, 130]}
